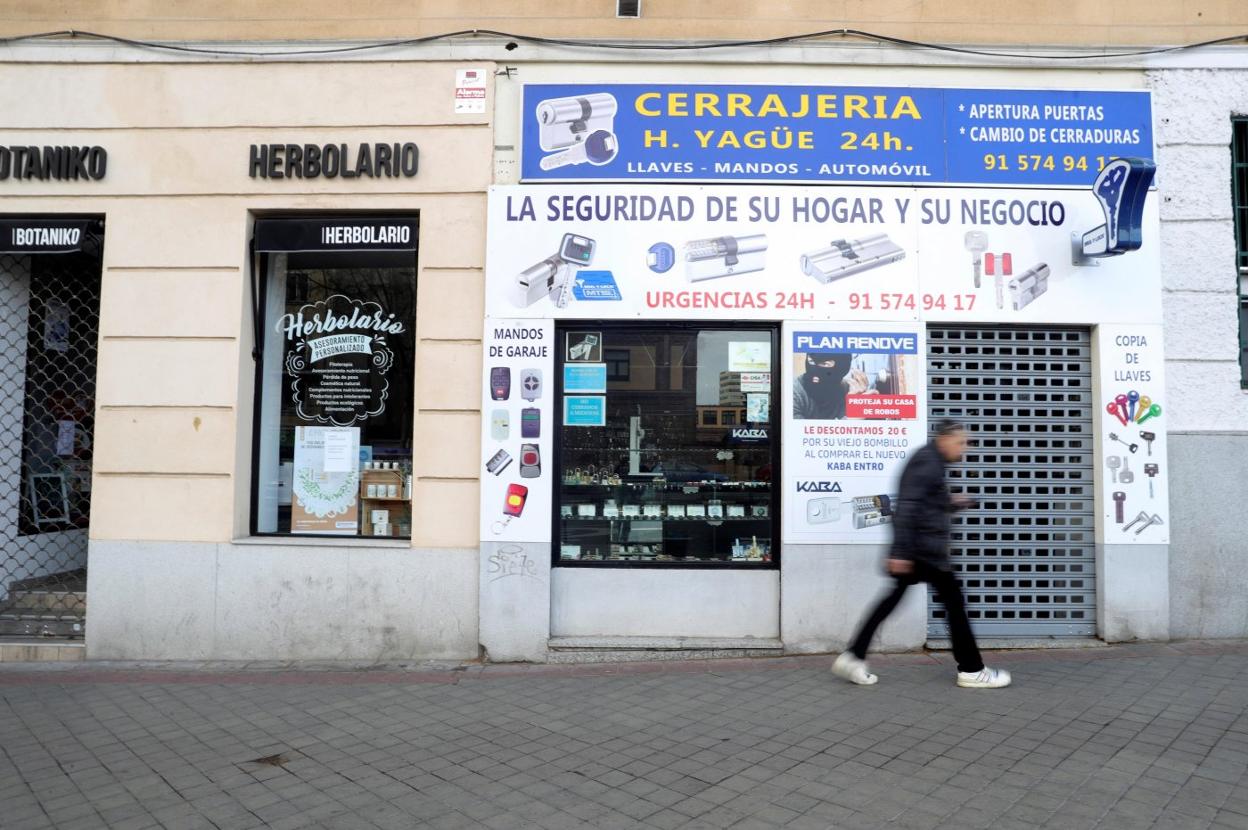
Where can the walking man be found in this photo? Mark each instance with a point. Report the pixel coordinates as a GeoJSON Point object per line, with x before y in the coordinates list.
{"type": "Point", "coordinates": [920, 553]}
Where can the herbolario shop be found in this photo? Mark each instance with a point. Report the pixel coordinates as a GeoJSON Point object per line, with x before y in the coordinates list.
{"type": "Point", "coordinates": [335, 320]}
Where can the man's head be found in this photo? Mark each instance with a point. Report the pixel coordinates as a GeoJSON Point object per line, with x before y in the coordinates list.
{"type": "Point", "coordinates": [825, 371]}
{"type": "Point", "coordinates": [951, 440]}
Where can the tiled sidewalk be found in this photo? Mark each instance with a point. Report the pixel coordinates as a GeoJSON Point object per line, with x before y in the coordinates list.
{"type": "Point", "coordinates": [1120, 737]}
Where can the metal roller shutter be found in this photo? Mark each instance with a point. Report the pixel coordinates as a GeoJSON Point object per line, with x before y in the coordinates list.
{"type": "Point", "coordinates": [49, 333]}
{"type": "Point", "coordinates": [1026, 555]}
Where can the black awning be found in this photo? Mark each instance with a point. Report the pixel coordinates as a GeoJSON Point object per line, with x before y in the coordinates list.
{"type": "Point", "coordinates": [336, 234]}
{"type": "Point", "coordinates": [43, 236]}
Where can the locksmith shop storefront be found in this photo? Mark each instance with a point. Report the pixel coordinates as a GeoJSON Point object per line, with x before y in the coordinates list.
{"type": "Point", "coordinates": [699, 386]}
{"type": "Point", "coordinates": [267, 452]}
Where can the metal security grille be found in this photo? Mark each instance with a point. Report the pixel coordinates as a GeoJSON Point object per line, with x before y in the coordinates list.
{"type": "Point", "coordinates": [1026, 555]}
{"type": "Point", "coordinates": [49, 328]}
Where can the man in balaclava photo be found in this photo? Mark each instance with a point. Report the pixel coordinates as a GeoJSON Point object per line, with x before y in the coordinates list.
{"type": "Point", "coordinates": [819, 393]}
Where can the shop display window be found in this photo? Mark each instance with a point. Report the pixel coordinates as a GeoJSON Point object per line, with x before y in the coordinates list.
{"type": "Point", "coordinates": [671, 478]}
{"type": "Point", "coordinates": [334, 397]}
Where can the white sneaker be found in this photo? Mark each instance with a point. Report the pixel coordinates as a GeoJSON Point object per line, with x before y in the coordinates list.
{"type": "Point", "coordinates": [985, 678]}
{"type": "Point", "coordinates": [849, 667]}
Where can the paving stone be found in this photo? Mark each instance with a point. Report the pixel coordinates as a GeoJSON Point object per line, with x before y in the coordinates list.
{"type": "Point", "coordinates": [1146, 737]}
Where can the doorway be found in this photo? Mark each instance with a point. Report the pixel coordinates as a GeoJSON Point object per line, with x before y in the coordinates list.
{"type": "Point", "coordinates": [49, 333]}
{"type": "Point", "coordinates": [1026, 555]}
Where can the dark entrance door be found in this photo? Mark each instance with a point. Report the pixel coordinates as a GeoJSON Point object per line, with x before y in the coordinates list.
{"type": "Point", "coordinates": [49, 330]}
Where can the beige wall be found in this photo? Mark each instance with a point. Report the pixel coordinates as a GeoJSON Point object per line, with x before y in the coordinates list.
{"type": "Point", "coordinates": [1083, 22]}
{"type": "Point", "coordinates": [173, 433]}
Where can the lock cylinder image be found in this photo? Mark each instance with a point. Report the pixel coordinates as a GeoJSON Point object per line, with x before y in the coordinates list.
{"type": "Point", "coordinates": [846, 257]}
{"type": "Point", "coordinates": [580, 127]}
{"type": "Point", "coordinates": [722, 256]}
{"type": "Point", "coordinates": [554, 275]}
{"type": "Point", "coordinates": [581, 114]}
{"type": "Point", "coordinates": [870, 511]}
{"type": "Point", "coordinates": [1027, 286]}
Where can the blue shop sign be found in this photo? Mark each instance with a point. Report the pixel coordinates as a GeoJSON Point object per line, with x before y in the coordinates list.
{"type": "Point", "coordinates": [585, 378]}
{"type": "Point", "coordinates": [584, 411]}
{"type": "Point", "coordinates": [822, 134]}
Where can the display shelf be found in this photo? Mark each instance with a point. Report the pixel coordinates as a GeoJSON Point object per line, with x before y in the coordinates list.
{"type": "Point", "coordinates": [398, 507]}
{"type": "Point", "coordinates": [670, 451]}
{"type": "Point", "coordinates": [678, 485]}
{"type": "Point", "coordinates": [703, 519]}
{"type": "Point", "coordinates": [400, 514]}
{"type": "Point", "coordinates": [665, 559]}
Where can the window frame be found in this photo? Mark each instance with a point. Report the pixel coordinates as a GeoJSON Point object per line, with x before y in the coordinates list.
{"type": "Point", "coordinates": [1239, 213]}
{"type": "Point", "coordinates": [614, 364]}
{"type": "Point", "coordinates": [258, 287]}
{"type": "Point", "coordinates": [562, 327]}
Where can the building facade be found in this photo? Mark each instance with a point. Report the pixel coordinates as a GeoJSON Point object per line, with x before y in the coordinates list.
{"type": "Point", "coordinates": [363, 357]}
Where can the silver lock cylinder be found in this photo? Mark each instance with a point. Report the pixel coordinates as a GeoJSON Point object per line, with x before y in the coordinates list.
{"type": "Point", "coordinates": [563, 122]}
{"type": "Point", "coordinates": [1028, 286]}
{"type": "Point", "coordinates": [844, 258]}
{"type": "Point", "coordinates": [721, 256]}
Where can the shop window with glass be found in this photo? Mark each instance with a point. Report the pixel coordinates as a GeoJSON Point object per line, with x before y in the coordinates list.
{"type": "Point", "coordinates": [1239, 202]}
{"type": "Point", "coordinates": [662, 479]}
{"type": "Point", "coordinates": [617, 363]}
{"type": "Point", "coordinates": [335, 345]}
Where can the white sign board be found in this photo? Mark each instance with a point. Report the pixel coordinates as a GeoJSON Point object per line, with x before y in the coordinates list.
{"type": "Point", "coordinates": [1134, 496]}
{"type": "Point", "coordinates": [858, 407]}
{"type": "Point", "coordinates": [518, 420]}
{"type": "Point", "coordinates": [815, 253]}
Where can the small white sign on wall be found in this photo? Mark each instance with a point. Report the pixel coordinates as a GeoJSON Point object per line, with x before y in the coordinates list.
{"type": "Point", "coordinates": [469, 91]}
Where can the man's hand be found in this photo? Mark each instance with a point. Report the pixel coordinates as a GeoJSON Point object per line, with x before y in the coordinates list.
{"type": "Point", "coordinates": [961, 501]}
{"type": "Point", "coordinates": [898, 567]}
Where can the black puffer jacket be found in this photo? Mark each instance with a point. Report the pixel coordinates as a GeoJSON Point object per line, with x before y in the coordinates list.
{"type": "Point", "coordinates": [921, 515]}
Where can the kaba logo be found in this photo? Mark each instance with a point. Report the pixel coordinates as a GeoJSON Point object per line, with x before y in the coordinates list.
{"type": "Point", "coordinates": [818, 487]}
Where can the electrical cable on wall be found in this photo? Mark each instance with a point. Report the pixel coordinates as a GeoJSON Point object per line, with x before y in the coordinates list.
{"type": "Point", "coordinates": [603, 44]}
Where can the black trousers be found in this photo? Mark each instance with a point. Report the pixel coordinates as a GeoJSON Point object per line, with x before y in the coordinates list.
{"type": "Point", "coordinates": [948, 592]}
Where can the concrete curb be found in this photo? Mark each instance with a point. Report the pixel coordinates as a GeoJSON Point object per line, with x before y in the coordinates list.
{"type": "Point", "coordinates": [450, 673]}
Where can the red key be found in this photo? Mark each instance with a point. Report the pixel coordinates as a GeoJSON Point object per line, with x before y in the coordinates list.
{"type": "Point", "coordinates": [1112, 409]}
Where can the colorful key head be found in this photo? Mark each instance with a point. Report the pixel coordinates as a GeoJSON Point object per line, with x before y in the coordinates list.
{"type": "Point", "coordinates": [1152, 412]}
{"type": "Point", "coordinates": [1144, 403]}
{"type": "Point", "coordinates": [1132, 398]}
{"type": "Point", "coordinates": [1121, 400]}
{"type": "Point", "coordinates": [1112, 409]}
